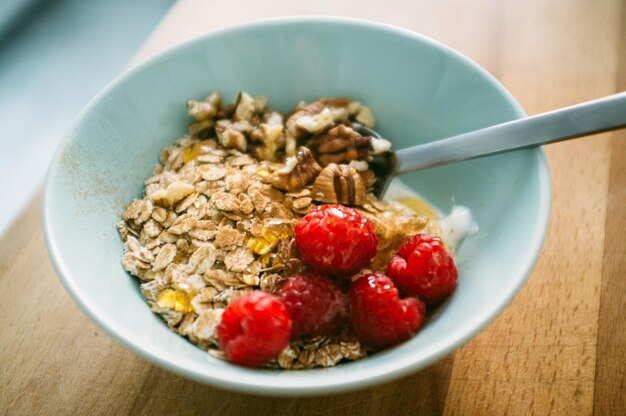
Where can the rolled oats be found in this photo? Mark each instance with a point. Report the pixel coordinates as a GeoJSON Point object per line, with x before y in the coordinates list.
{"type": "Point", "coordinates": [165, 257]}
{"type": "Point", "coordinates": [238, 259]}
{"type": "Point", "coordinates": [287, 357]}
{"type": "Point", "coordinates": [225, 201]}
{"type": "Point", "coordinates": [204, 326]}
{"type": "Point", "coordinates": [202, 258]}
{"type": "Point", "coordinates": [228, 237]}
{"type": "Point", "coordinates": [328, 355]}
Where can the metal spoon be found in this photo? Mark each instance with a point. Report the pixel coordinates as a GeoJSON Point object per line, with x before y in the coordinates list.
{"type": "Point", "coordinates": [608, 113]}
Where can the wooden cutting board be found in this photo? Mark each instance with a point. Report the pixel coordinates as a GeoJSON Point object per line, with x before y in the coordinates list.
{"type": "Point", "coordinates": [558, 348]}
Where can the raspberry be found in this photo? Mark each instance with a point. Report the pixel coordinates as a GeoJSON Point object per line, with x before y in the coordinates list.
{"type": "Point", "coordinates": [378, 317]}
{"type": "Point", "coordinates": [335, 240]}
{"type": "Point", "coordinates": [424, 268]}
{"type": "Point", "coordinates": [316, 305]}
{"type": "Point", "coordinates": [254, 328]}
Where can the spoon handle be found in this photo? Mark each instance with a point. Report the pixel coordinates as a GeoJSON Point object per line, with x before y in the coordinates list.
{"type": "Point", "coordinates": [608, 113]}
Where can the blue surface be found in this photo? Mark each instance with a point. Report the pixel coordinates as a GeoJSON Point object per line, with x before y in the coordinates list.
{"type": "Point", "coordinates": [418, 89]}
{"type": "Point", "coordinates": [53, 60]}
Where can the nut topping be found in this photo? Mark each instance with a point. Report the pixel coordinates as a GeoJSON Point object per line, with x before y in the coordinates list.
{"type": "Point", "coordinates": [317, 116]}
{"type": "Point", "coordinates": [339, 184]}
{"type": "Point", "coordinates": [205, 109]}
{"type": "Point", "coordinates": [203, 113]}
{"type": "Point", "coordinates": [272, 137]}
{"type": "Point", "coordinates": [298, 171]}
{"type": "Point", "coordinates": [231, 139]}
{"type": "Point", "coordinates": [341, 144]}
{"type": "Point", "coordinates": [244, 107]}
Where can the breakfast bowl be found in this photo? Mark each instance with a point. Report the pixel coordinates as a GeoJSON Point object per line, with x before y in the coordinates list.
{"type": "Point", "coordinates": [419, 90]}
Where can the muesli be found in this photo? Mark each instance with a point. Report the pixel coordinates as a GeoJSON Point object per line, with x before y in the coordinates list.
{"type": "Point", "coordinates": [217, 218]}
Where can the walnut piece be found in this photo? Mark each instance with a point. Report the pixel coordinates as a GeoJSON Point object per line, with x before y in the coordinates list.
{"type": "Point", "coordinates": [203, 113]}
{"type": "Point", "coordinates": [340, 145]}
{"type": "Point", "coordinates": [317, 116]}
{"type": "Point", "coordinates": [299, 170]}
{"type": "Point", "coordinates": [272, 138]}
{"type": "Point", "coordinates": [339, 184]}
{"type": "Point", "coordinates": [231, 139]}
{"type": "Point", "coordinates": [205, 109]}
{"type": "Point", "coordinates": [244, 107]}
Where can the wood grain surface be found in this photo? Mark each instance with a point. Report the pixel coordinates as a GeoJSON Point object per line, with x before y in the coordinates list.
{"type": "Point", "coordinates": [558, 348]}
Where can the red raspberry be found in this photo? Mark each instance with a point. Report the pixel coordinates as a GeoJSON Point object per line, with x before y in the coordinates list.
{"type": "Point", "coordinates": [254, 328]}
{"type": "Point", "coordinates": [336, 240]}
{"type": "Point", "coordinates": [378, 317]}
{"type": "Point", "coordinates": [316, 305]}
{"type": "Point", "coordinates": [424, 268]}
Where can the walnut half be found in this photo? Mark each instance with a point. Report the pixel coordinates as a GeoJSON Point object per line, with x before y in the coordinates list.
{"type": "Point", "coordinates": [299, 170]}
{"type": "Point", "coordinates": [339, 184]}
{"type": "Point", "coordinates": [341, 145]}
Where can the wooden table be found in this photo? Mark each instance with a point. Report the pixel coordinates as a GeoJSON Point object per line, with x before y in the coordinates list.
{"type": "Point", "coordinates": [559, 348]}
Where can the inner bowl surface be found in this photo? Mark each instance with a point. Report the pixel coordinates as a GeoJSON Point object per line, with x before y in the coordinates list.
{"type": "Point", "coordinates": [419, 91]}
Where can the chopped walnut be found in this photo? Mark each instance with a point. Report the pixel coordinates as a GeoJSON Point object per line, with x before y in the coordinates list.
{"type": "Point", "coordinates": [205, 109]}
{"type": "Point", "coordinates": [359, 165]}
{"type": "Point", "coordinates": [380, 145]}
{"type": "Point", "coordinates": [362, 114]}
{"type": "Point", "coordinates": [201, 128]}
{"type": "Point", "coordinates": [260, 104]}
{"type": "Point", "coordinates": [317, 116]}
{"type": "Point", "coordinates": [203, 112]}
{"type": "Point", "coordinates": [244, 107]}
{"type": "Point", "coordinates": [272, 138]}
{"type": "Point", "coordinates": [231, 139]}
{"type": "Point", "coordinates": [339, 184]}
{"type": "Point", "coordinates": [299, 171]}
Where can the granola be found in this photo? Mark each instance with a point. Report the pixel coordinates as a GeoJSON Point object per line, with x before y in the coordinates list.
{"type": "Point", "coordinates": [216, 218]}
